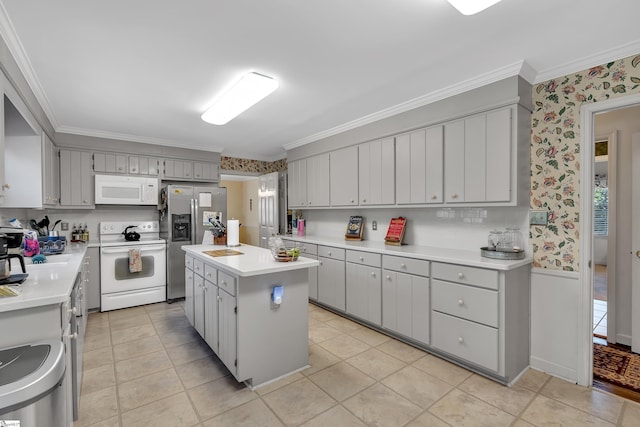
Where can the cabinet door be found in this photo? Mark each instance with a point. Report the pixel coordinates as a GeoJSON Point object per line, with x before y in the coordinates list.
{"type": "Point", "coordinates": [410, 168]}
{"type": "Point", "coordinates": [317, 180]}
{"type": "Point", "coordinates": [188, 295]}
{"type": "Point", "coordinates": [99, 162]}
{"type": "Point", "coordinates": [405, 305]}
{"type": "Point", "coordinates": [364, 292]}
{"type": "Point", "coordinates": [170, 169]}
{"type": "Point", "coordinates": [434, 164]}
{"type": "Point", "coordinates": [134, 165]}
{"type": "Point", "coordinates": [331, 283]}
{"type": "Point", "coordinates": [198, 304]}
{"type": "Point", "coordinates": [93, 282]}
{"type": "Point", "coordinates": [313, 280]}
{"type": "Point", "coordinates": [475, 152]}
{"type": "Point", "coordinates": [154, 166]}
{"type": "Point", "coordinates": [297, 183]}
{"type": "Point", "coordinates": [187, 170]}
{"type": "Point", "coordinates": [376, 172]}
{"type": "Point", "coordinates": [344, 176]}
{"type": "Point", "coordinates": [227, 329]}
{"type": "Point", "coordinates": [50, 172]}
{"type": "Point", "coordinates": [454, 157]}
{"type": "Point", "coordinates": [86, 177]}
{"type": "Point", "coordinates": [76, 180]}
{"type": "Point", "coordinates": [211, 315]}
{"type": "Point", "coordinates": [121, 163]}
{"type": "Point", "coordinates": [499, 156]}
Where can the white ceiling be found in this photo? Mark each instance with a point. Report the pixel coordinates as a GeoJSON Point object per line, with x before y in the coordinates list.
{"type": "Point", "coordinates": [145, 70]}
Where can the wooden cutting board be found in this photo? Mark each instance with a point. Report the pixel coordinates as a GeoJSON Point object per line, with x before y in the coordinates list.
{"type": "Point", "coordinates": [222, 252]}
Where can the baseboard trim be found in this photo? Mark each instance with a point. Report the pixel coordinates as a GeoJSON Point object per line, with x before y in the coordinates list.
{"type": "Point", "coordinates": [556, 370]}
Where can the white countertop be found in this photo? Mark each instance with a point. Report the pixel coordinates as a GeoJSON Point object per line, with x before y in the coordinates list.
{"type": "Point", "coordinates": [49, 283]}
{"type": "Point", "coordinates": [253, 261]}
{"type": "Point", "coordinates": [451, 256]}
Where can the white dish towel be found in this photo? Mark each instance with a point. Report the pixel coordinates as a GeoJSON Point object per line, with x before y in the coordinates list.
{"type": "Point", "coordinates": [135, 260]}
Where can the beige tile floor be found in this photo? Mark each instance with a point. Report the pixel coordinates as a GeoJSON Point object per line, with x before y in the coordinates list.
{"type": "Point", "coordinates": [145, 366]}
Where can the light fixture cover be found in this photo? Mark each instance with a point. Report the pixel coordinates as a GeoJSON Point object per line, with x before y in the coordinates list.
{"type": "Point", "coordinates": [239, 97]}
{"type": "Point", "coordinates": [470, 7]}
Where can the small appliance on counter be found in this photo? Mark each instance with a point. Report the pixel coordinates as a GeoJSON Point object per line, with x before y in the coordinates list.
{"type": "Point", "coordinates": [10, 238]}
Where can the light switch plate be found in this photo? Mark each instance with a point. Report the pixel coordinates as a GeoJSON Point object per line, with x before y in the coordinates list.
{"type": "Point", "coordinates": [374, 225]}
{"type": "Point", "coordinates": [64, 226]}
{"type": "Point", "coordinates": [538, 217]}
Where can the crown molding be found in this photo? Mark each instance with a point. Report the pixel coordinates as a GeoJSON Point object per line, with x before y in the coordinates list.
{"type": "Point", "coordinates": [622, 51]}
{"type": "Point", "coordinates": [19, 54]}
{"type": "Point", "coordinates": [514, 69]}
{"type": "Point", "coordinates": [133, 138]}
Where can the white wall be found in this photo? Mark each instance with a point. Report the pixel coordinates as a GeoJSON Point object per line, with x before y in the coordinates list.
{"type": "Point", "coordinates": [626, 121]}
{"type": "Point", "coordinates": [456, 228]}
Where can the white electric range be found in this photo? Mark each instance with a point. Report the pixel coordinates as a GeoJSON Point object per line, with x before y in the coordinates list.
{"type": "Point", "coordinates": [120, 287]}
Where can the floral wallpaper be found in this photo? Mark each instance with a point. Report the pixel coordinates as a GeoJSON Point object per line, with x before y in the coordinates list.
{"type": "Point", "coordinates": [253, 166]}
{"type": "Point", "coordinates": [555, 154]}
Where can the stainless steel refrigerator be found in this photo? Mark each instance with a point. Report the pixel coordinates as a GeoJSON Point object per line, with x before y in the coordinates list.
{"type": "Point", "coordinates": [186, 211]}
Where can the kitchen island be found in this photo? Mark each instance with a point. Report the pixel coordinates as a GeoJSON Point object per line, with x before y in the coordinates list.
{"type": "Point", "coordinates": [250, 309]}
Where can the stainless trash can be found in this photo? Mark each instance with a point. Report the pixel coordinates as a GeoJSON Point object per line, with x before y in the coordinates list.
{"type": "Point", "coordinates": [31, 384]}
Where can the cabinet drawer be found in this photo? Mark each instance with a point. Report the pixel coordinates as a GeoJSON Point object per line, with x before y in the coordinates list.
{"type": "Point", "coordinates": [477, 304]}
{"type": "Point", "coordinates": [188, 262]}
{"type": "Point", "coordinates": [198, 267]}
{"type": "Point", "coordinates": [227, 282]}
{"type": "Point", "coordinates": [467, 340]}
{"type": "Point", "coordinates": [365, 258]}
{"type": "Point", "coordinates": [305, 248]}
{"type": "Point", "coordinates": [406, 265]}
{"type": "Point", "coordinates": [463, 274]}
{"type": "Point", "coordinates": [331, 252]}
{"type": "Point", "coordinates": [211, 274]}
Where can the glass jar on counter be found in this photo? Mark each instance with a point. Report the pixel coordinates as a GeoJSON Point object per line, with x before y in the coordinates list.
{"type": "Point", "coordinates": [512, 240]}
{"type": "Point", "coordinates": [495, 236]}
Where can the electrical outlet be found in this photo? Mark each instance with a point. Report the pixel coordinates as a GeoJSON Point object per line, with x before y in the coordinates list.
{"type": "Point", "coordinates": [374, 225]}
{"type": "Point", "coordinates": [64, 226]}
{"type": "Point", "coordinates": [538, 217]}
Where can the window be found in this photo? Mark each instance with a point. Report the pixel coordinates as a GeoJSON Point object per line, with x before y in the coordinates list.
{"type": "Point", "coordinates": [600, 206]}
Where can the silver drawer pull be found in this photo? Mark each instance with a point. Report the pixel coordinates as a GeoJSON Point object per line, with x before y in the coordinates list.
{"type": "Point", "coordinates": [403, 265]}
{"type": "Point", "coordinates": [361, 258]}
{"type": "Point", "coordinates": [461, 340]}
{"type": "Point", "coordinates": [460, 275]}
{"type": "Point", "coordinates": [223, 283]}
{"type": "Point", "coordinates": [329, 253]}
{"type": "Point", "coordinates": [388, 277]}
{"type": "Point", "coordinates": [460, 302]}
{"type": "Point", "coordinates": [373, 274]}
{"type": "Point", "coordinates": [433, 197]}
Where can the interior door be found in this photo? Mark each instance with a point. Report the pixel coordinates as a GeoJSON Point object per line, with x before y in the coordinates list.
{"type": "Point", "coordinates": [635, 226]}
{"type": "Point", "coordinates": [268, 207]}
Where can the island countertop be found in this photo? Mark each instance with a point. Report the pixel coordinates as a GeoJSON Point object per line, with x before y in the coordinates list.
{"type": "Point", "coordinates": [253, 261]}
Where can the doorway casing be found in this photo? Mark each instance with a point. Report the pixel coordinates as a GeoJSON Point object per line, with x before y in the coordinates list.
{"type": "Point", "coordinates": [585, 325]}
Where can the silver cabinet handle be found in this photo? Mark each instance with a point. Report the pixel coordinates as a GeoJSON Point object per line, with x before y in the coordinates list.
{"type": "Point", "coordinates": [460, 302]}
{"type": "Point", "coordinates": [461, 340]}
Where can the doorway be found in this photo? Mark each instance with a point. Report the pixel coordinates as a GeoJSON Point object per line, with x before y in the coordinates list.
{"type": "Point", "coordinates": [621, 323]}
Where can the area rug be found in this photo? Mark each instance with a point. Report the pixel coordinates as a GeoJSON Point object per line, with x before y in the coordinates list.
{"type": "Point", "coordinates": [618, 367]}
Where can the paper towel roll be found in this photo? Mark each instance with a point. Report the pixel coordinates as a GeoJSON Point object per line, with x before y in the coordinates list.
{"type": "Point", "coordinates": [233, 232]}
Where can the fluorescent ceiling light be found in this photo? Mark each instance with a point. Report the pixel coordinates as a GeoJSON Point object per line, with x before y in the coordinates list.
{"type": "Point", "coordinates": [240, 96]}
{"type": "Point", "coordinates": [470, 7]}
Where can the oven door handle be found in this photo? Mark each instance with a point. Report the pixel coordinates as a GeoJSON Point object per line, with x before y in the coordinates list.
{"type": "Point", "coordinates": [145, 248]}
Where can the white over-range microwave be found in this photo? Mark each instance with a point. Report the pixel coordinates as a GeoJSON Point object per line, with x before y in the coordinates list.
{"type": "Point", "coordinates": [126, 190]}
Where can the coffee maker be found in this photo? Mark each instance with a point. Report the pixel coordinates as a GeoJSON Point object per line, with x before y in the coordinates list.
{"type": "Point", "coordinates": [10, 238]}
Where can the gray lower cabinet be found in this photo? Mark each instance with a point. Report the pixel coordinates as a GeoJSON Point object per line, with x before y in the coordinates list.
{"type": "Point", "coordinates": [198, 304]}
{"type": "Point", "coordinates": [188, 288]}
{"type": "Point", "coordinates": [211, 314]}
{"type": "Point", "coordinates": [482, 316]}
{"type": "Point", "coordinates": [405, 297]}
{"type": "Point", "coordinates": [92, 287]}
{"type": "Point", "coordinates": [331, 277]}
{"type": "Point", "coordinates": [364, 286]}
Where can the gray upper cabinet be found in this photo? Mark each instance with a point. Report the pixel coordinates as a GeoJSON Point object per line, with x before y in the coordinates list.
{"type": "Point", "coordinates": [344, 176]}
{"type": "Point", "coordinates": [50, 173]}
{"type": "Point", "coordinates": [376, 172]}
{"type": "Point", "coordinates": [139, 165]}
{"type": "Point", "coordinates": [308, 182]}
{"type": "Point", "coordinates": [76, 179]}
{"type": "Point", "coordinates": [478, 158]}
{"type": "Point", "coordinates": [191, 171]}
{"type": "Point", "coordinates": [203, 171]}
{"type": "Point", "coordinates": [110, 163]}
{"type": "Point", "coordinates": [419, 166]}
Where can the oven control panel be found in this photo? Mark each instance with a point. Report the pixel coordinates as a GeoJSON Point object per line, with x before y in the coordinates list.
{"type": "Point", "coordinates": [117, 227]}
